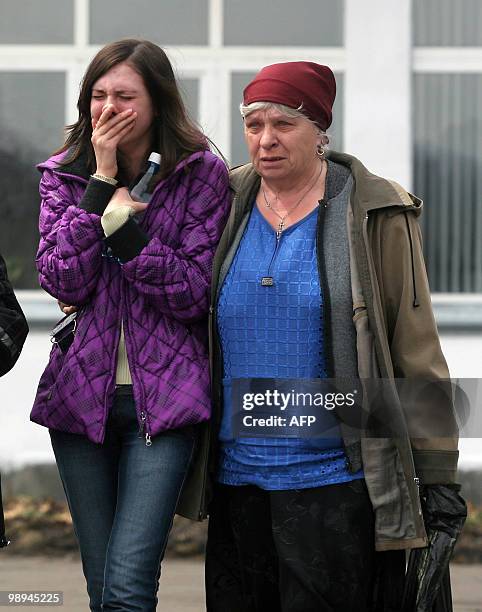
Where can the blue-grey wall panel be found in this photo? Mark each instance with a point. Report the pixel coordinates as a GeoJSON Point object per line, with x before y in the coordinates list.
{"type": "Point", "coordinates": [29, 22]}
{"type": "Point", "coordinates": [190, 94]}
{"type": "Point", "coordinates": [169, 22]}
{"type": "Point", "coordinates": [448, 177]}
{"type": "Point", "coordinates": [284, 23]}
{"type": "Point", "coordinates": [32, 116]}
{"type": "Point", "coordinates": [32, 112]}
{"type": "Point", "coordinates": [447, 23]}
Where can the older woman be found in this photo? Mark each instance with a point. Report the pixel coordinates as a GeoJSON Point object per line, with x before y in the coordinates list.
{"type": "Point", "coordinates": [319, 274]}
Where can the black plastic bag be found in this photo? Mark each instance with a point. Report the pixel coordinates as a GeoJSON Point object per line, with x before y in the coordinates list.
{"type": "Point", "coordinates": [427, 581]}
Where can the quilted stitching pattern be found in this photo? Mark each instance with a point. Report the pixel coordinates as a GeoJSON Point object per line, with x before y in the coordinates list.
{"type": "Point", "coordinates": [162, 295]}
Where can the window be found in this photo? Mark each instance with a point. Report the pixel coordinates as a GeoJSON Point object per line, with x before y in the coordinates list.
{"type": "Point", "coordinates": [443, 23]}
{"type": "Point", "coordinates": [447, 126]}
{"type": "Point", "coordinates": [25, 22]}
{"type": "Point", "coordinates": [448, 175]}
{"type": "Point", "coordinates": [310, 23]}
{"type": "Point", "coordinates": [169, 22]}
{"type": "Point", "coordinates": [32, 115]}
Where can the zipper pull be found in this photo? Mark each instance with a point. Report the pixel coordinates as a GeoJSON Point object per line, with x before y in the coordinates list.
{"type": "Point", "coordinates": [148, 440]}
{"type": "Point", "coordinates": [142, 425]}
{"type": "Point", "coordinates": [417, 482]}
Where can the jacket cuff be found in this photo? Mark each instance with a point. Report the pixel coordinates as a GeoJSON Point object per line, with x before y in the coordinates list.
{"type": "Point", "coordinates": [436, 467]}
{"type": "Point", "coordinates": [127, 242]}
{"type": "Point", "coordinates": [97, 196]}
{"type": "Point", "coordinates": [115, 219]}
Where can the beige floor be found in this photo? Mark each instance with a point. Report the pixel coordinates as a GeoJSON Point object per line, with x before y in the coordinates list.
{"type": "Point", "coordinates": [181, 587]}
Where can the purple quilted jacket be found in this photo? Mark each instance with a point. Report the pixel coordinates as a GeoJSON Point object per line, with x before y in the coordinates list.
{"type": "Point", "coordinates": [157, 284]}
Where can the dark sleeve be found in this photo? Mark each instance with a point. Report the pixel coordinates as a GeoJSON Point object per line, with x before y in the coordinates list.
{"type": "Point", "coordinates": [13, 325]}
{"type": "Point", "coordinates": [127, 241]}
{"type": "Point", "coordinates": [96, 197]}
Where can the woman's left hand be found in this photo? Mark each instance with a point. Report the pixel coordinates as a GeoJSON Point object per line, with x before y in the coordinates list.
{"type": "Point", "coordinates": [66, 309]}
{"type": "Point", "coordinates": [121, 198]}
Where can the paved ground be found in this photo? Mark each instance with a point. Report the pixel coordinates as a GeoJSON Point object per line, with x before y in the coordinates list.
{"type": "Point", "coordinates": [181, 587]}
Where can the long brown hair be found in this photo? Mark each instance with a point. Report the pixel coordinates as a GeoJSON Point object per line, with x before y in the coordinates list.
{"type": "Point", "coordinates": [174, 135]}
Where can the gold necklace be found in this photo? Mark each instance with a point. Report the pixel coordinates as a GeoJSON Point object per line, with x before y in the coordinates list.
{"type": "Point", "coordinates": [268, 281]}
{"type": "Point", "coordinates": [281, 224]}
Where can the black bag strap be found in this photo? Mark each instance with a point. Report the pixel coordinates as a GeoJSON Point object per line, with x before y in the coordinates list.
{"type": "Point", "coordinates": [3, 540]}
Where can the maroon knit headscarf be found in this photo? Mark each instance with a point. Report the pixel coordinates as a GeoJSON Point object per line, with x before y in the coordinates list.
{"type": "Point", "coordinates": [296, 84]}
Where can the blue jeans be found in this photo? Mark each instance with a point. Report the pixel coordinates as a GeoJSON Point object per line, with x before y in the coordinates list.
{"type": "Point", "coordinates": [122, 496]}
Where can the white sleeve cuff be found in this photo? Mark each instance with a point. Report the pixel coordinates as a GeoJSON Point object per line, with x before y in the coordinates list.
{"type": "Point", "coordinates": [115, 219]}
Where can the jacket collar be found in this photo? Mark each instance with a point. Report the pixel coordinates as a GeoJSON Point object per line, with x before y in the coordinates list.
{"type": "Point", "coordinates": [371, 191]}
{"type": "Point", "coordinates": [78, 168]}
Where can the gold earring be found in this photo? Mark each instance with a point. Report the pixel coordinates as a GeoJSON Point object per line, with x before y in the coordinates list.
{"type": "Point", "coordinates": [320, 151]}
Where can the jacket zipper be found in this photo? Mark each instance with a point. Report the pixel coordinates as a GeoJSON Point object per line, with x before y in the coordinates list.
{"type": "Point", "coordinates": [112, 381]}
{"type": "Point", "coordinates": [416, 480]}
{"type": "Point", "coordinates": [325, 292]}
{"type": "Point", "coordinates": [142, 414]}
{"type": "Point", "coordinates": [215, 421]}
{"type": "Point", "coordinates": [325, 315]}
{"type": "Point", "coordinates": [144, 424]}
{"type": "Point", "coordinates": [142, 429]}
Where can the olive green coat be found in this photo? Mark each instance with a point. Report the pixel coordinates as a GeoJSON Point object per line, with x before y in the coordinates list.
{"type": "Point", "coordinates": [396, 338]}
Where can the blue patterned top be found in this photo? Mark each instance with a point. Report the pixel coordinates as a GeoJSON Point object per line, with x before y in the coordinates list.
{"type": "Point", "coordinates": [275, 332]}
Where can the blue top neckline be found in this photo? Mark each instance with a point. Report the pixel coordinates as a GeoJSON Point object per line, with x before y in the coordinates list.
{"type": "Point", "coordinates": [286, 231]}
